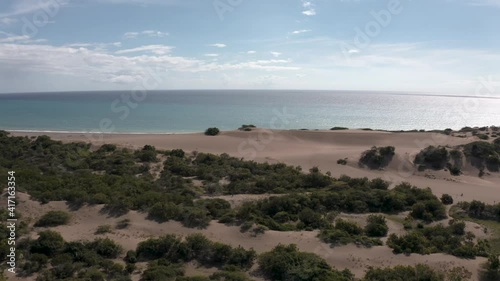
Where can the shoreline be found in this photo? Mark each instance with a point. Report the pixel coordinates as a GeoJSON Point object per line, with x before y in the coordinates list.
{"type": "Point", "coordinates": [333, 129]}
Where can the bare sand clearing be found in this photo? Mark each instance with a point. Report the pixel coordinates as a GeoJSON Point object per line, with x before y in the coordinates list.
{"type": "Point", "coordinates": [304, 148]}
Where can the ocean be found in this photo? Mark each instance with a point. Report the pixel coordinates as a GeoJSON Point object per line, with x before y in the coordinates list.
{"type": "Point", "coordinates": [184, 111]}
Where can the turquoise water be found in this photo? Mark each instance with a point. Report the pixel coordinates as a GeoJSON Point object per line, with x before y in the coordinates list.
{"type": "Point", "coordinates": [194, 111]}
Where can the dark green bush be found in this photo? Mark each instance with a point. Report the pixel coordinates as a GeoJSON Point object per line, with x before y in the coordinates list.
{"type": "Point", "coordinates": [483, 155]}
{"type": "Point", "coordinates": [48, 243]}
{"type": "Point", "coordinates": [212, 131]}
{"type": "Point", "coordinates": [434, 157]}
{"type": "Point", "coordinates": [376, 226]}
{"type": "Point", "coordinates": [429, 210]}
{"type": "Point", "coordinates": [53, 218]}
{"type": "Point", "coordinates": [287, 263]}
{"type": "Point", "coordinates": [246, 127]}
{"type": "Point", "coordinates": [446, 199]}
{"type": "Point", "coordinates": [106, 248]}
{"type": "Point", "coordinates": [377, 157]}
{"type": "Point", "coordinates": [342, 162]}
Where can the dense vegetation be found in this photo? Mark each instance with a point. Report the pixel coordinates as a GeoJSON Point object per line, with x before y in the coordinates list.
{"type": "Point", "coordinates": [377, 157]}
{"type": "Point", "coordinates": [484, 155]}
{"type": "Point", "coordinates": [314, 210]}
{"type": "Point", "coordinates": [344, 232]}
{"type": "Point", "coordinates": [451, 239]}
{"type": "Point", "coordinates": [480, 154]}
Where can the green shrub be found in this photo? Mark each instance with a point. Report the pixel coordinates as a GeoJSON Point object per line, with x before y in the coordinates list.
{"type": "Point", "coordinates": [447, 199]}
{"type": "Point", "coordinates": [53, 218]}
{"type": "Point", "coordinates": [102, 229]}
{"type": "Point", "coordinates": [163, 212]}
{"type": "Point", "coordinates": [48, 243]}
{"type": "Point", "coordinates": [342, 162]}
{"type": "Point", "coordinates": [287, 263]}
{"type": "Point", "coordinates": [429, 210]}
{"type": "Point", "coordinates": [482, 136]}
{"type": "Point", "coordinates": [338, 128]}
{"type": "Point", "coordinates": [122, 224]}
{"type": "Point", "coordinates": [106, 248]}
{"type": "Point", "coordinates": [131, 257]}
{"type": "Point", "coordinates": [434, 157]}
{"type": "Point", "coordinates": [212, 131]}
{"type": "Point", "coordinates": [377, 157]}
{"type": "Point", "coordinates": [483, 155]}
{"type": "Point", "coordinates": [246, 127]}
{"type": "Point", "coordinates": [376, 226]}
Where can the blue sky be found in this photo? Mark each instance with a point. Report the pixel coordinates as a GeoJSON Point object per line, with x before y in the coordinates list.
{"type": "Point", "coordinates": [435, 46]}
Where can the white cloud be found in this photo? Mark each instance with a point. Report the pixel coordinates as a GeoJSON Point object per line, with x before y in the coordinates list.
{"type": "Point", "coordinates": [7, 21]}
{"type": "Point", "coordinates": [154, 33]}
{"type": "Point", "coordinates": [276, 54]}
{"type": "Point", "coordinates": [308, 8]}
{"type": "Point", "coordinates": [149, 33]}
{"type": "Point", "coordinates": [251, 52]}
{"type": "Point", "coordinates": [310, 12]}
{"type": "Point", "coordinates": [155, 49]}
{"type": "Point", "coordinates": [14, 38]}
{"type": "Point", "coordinates": [211, 55]}
{"type": "Point", "coordinates": [130, 35]}
{"type": "Point", "coordinates": [301, 31]}
{"type": "Point", "coordinates": [218, 45]}
{"type": "Point", "coordinates": [82, 61]}
{"type": "Point", "coordinates": [95, 45]}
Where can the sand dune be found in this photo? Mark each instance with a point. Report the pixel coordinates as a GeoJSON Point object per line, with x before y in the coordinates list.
{"type": "Point", "coordinates": [322, 149]}
{"type": "Point", "coordinates": [304, 148]}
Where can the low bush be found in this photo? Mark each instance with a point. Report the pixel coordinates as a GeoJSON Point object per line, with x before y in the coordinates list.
{"type": "Point", "coordinates": [377, 157]}
{"type": "Point", "coordinates": [103, 229]}
{"type": "Point", "coordinates": [246, 128]}
{"type": "Point", "coordinates": [212, 131]}
{"type": "Point", "coordinates": [433, 157]}
{"type": "Point", "coordinates": [376, 226]}
{"type": "Point", "coordinates": [53, 218]}
{"type": "Point", "coordinates": [342, 162]}
{"type": "Point", "coordinates": [288, 263]}
{"type": "Point", "coordinates": [446, 199]}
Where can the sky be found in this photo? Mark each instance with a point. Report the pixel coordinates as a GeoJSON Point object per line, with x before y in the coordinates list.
{"type": "Point", "coordinates": [432, 46]}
